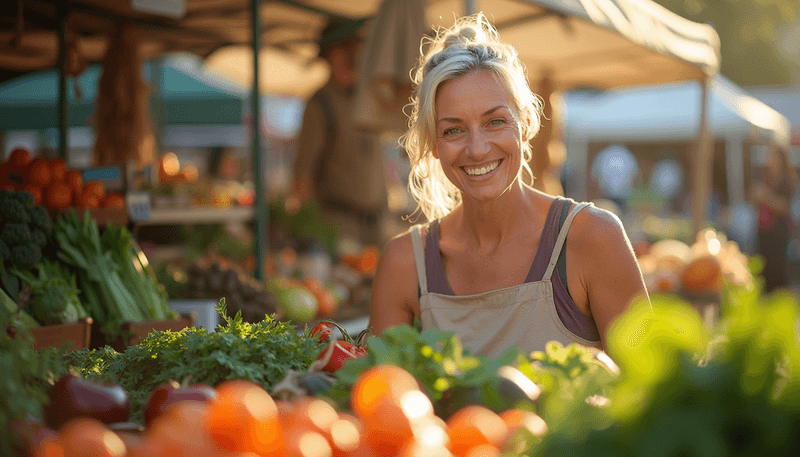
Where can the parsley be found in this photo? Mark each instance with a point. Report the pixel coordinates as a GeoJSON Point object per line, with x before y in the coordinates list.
{"type": "Point", "coordinates": [259, 352]}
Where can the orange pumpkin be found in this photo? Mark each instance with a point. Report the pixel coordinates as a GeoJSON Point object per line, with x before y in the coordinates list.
{"type": "Point", "coordinates": [702, 275]}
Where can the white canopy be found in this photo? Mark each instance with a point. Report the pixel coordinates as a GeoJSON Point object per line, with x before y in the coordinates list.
{"type": "Point", "coordinates": [671, 112]}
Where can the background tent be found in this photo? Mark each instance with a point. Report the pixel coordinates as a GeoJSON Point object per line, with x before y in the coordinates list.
{"type": "Point", "coordinates": [669, 113]}
{"type": "Point", "coordinates": [183, 94]}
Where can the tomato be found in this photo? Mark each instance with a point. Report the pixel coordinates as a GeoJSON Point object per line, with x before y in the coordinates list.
{"type": "Point", "coordinates": [115, 200]}
{"type": "Point", "coordinates": [74, 179]}
{"type": "Point", "coordinates": [58, 196]}
{"type": "Point", "coordinates": [72, 397]}
{"type": "Point", "coordinates": [97, 188]}
{"type": "Point", "coordinates": [39, 173]}
{"type": "Point", "coordinates": [323, 331]}
{"type": "Point", "coordinates": [58, 169]}
{"type": "Point", "coordinates": [87, 199]}
{"type": "Point", "coordinates": [171, 392]}
{"type": "Point", "coordinates": [342, 352]}
{"type": "Point", "coordinates": [19, 159]}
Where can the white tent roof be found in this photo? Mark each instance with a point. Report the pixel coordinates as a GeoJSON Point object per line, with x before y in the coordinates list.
{"type": "Point", "coordinates": [670, 112]}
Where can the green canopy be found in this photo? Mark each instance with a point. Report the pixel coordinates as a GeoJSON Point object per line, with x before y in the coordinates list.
{"type": "Point", "coordinates": [186, 94]}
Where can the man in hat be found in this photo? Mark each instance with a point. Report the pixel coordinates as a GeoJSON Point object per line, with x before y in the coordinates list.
{"type": "Point", "coordinates": [340, 167]}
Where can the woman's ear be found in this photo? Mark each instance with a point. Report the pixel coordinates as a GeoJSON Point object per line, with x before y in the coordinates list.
{"type": "Point", "coordinates": [435, 154]}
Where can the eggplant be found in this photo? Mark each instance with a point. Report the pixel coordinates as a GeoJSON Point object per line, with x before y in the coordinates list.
{"type": "Point", "coordinates": [73, 396]}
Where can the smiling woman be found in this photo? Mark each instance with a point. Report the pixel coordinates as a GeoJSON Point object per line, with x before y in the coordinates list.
{"type": "Point", "coordinates": [499, 263]}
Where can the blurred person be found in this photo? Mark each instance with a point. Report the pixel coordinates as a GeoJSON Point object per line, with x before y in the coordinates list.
{"type": "Point", "coordinates": [772, 194]}
{"type": "Point", "coordinates": [498, 262]}
{"type": "Point", "coordinates": [337, 165]}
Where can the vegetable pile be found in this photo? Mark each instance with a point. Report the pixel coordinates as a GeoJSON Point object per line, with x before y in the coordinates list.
{"type": "Point", "coordinates": [25, 228]}
{"type": "Point", "coordinates": [261, 353]}
{"type": "Point", "coordinates": [115, 282]}
{"type": "Point", "coordinates": [732, 390]}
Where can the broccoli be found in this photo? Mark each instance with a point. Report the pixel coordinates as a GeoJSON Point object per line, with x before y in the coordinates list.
{"type": "Point", "coordinates": [26, 256]}
{"type": "Point", "coordinates": [41, 219]}
{"type": "Point", "coordinates": [13, 210]}
{"type": "Point", "coordinates": [15, 233]}
{"type": "Point", "coordinates": [5, 252]}
{"type": "Point", "coordinates": [54, 301]}
{"type": "Point", "coordinates": [26, 198]}
{"type": "Point", "coordinates": [38, 237]}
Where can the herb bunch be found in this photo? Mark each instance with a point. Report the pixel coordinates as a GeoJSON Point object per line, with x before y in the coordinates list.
{"type": "Point", "coordinates": [261, 352]}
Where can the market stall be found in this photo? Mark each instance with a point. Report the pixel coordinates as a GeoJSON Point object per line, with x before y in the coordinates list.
{"type": "Point", "coordinates": [264, 388]}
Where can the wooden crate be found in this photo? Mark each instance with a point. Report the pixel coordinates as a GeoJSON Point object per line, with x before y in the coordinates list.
{"type": "Point", "coordinates": [139, 330]}
{"type": "Point", "coordinates": [56, 336]}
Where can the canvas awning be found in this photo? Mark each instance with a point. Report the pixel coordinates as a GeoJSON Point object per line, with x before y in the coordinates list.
{"type": "Point", "coordinates": [670, 113]}
{"type": "Point", "coordinates": [185, 95]}
{"type": "Point", "coordinates": [598, 43]}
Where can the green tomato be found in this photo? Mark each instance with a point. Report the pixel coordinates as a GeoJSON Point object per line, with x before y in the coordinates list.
{"type": "Point", "coordinates": [299, 304]}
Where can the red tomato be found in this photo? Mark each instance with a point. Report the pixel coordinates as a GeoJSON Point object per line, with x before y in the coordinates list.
{"type": "Point", "coordinates": [39, 174]}
{"type": "Point", "coordinates": [323, 331]}
{"type": "Point", "coordinates": [342, 352]}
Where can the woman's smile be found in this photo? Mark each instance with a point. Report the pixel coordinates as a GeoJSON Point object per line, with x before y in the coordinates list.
{"type": "Point", "coordinates": [481, 170]}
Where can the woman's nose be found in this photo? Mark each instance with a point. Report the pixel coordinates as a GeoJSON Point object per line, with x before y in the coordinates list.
{"type": "Point", "coordinates": [478, 144]}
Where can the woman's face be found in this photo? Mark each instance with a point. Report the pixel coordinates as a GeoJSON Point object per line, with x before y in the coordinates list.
{"type": "Point", "coordinates": [477, 138]}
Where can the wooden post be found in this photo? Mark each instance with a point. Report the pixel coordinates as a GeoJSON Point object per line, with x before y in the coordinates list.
{"type": "Point", "coordinates": [258, 168]}
{"type": "Point", "coordinates": [63, 96]}
{"type": "Point", "coordinates": [702, 173]}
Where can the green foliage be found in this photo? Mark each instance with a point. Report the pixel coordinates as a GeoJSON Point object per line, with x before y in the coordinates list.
{"type": "Point", "coordinates": [25, 379]}
{"type": "Point", "coordinates": [751, 35]}
{"type": "Point", "coordinates": [453, 378]}
{"type": "Point", "coordinates": [262, 353]}
{"type": "Point", "coordinates": [568, 376]}
{"type": "Point", "coordinates": [685, 390]}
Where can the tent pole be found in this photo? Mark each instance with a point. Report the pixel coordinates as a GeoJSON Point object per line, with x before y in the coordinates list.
{"type": "Point", "coordinates": [702, 165]}
{"type": "Point", "coordinates": [63, 107]}
{"type": "Point", "coordinates": [469, 7]}
{"type": "Point", "coordinates": [258, 169]}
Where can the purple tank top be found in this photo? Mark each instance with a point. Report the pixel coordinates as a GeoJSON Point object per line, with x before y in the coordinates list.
{"type": "Point", "coordinates": [573, 318]}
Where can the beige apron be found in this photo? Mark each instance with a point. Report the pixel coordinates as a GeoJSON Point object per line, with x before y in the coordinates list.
{"type": "Point", "coordinates": [490, 322]}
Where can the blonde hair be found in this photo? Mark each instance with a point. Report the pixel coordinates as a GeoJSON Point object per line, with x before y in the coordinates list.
{"type": "Point", "coordinates": [471, 44]}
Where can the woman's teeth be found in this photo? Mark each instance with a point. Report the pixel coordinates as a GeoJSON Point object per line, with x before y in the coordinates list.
{"type": "Point", "coordinates": [482, 170]}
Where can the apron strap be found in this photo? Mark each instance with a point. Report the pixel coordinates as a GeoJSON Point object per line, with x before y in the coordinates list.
{"type": "Point", "coordinates": [419, 257]}
{"type": "Point", "coordinates": [562, 236]}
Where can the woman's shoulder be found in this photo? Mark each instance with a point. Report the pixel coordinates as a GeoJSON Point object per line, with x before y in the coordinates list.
{"type": "Point", "coordinates": [596, 225]}
{"type": "Point", "coordinates": [398, 255]}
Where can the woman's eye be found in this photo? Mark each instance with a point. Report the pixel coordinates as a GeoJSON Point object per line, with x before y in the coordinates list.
{"type": "Point", "coordinates": [497, 122]}
{"type": "Point", "coordinates": [452, 131]}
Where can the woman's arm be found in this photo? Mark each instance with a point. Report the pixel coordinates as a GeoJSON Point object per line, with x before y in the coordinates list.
{"type": "Point", "coordinates": [394, 298]}
{"type": "Point", "coordinates": [608, 272]}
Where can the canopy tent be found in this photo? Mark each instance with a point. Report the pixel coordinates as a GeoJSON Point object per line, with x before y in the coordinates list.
{"type": "Point", "coordinates": [185, 93]}
{"type": "Point", "coordinates": [670, 113]}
